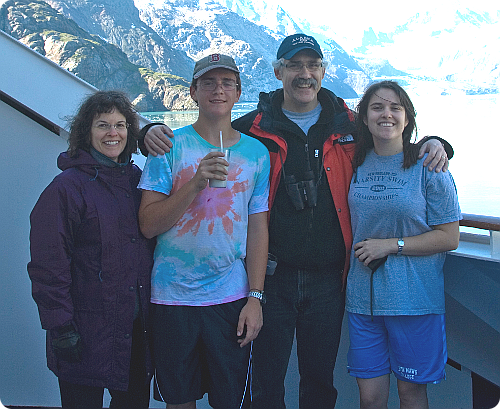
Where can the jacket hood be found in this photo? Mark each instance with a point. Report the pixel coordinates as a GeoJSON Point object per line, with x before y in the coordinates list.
{"type": "Point", "coordinates": [266, 99]}
{"type": "Point", "coordinates": [84, 162]}
{"type": "Point", "coordinates": [81, 160]}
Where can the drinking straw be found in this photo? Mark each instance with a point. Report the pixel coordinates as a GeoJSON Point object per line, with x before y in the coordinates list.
{"type": "Point", "coordinates": [221, 146]}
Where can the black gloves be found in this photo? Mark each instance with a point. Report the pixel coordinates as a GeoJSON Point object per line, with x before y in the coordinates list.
{"type": "Point", "coordinates": [66, 343]}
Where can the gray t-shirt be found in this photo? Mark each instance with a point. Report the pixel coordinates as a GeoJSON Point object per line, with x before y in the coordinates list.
{"type": "Point", "coordinates": [304, 119]}
{"type": "Point", "coordinates": [387, 201]}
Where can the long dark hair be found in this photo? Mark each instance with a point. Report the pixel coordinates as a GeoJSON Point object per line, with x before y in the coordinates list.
{"type": "Point", "coordinates": [99, 103]}
{"type": "Point", "coordinates": [365, 138]}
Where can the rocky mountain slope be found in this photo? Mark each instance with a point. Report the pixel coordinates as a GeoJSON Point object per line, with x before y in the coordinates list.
{"type": "Point", "coordinates": [343, 74]}
{"type": "Point", "coordinates": [91, 58]}
{"type": "Point", "coordinates": [118, 22]}
{"type": "Point", "coordinates": [169, 36]}
{"type": "Point", "coordinates": [149, 46]}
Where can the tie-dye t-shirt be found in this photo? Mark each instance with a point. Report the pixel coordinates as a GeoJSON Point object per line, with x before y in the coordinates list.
{"type": "Point", "coordinates": [199, 261]}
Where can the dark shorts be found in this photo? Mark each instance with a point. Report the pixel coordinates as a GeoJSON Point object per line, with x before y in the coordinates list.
{"type": "Point", "coordinates": [195, 351]}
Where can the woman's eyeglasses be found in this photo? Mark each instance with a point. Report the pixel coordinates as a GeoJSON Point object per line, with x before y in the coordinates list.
{"type": "Point", "coordinates": [104, 126]}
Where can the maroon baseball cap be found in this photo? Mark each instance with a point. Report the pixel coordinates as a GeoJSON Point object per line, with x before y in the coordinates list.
{"type": "Point", "coordinates": [213, 61]}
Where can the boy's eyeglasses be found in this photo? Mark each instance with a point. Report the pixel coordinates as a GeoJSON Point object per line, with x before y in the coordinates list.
{"type": "Point", "coordinates": [297, 66]}
{"type": "Point", "coordinates": [211, 85]}
{"type": "Point", "coordinates": [104, 126]}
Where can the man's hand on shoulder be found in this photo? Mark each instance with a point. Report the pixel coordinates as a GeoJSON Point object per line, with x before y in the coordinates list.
{"type": "Point", "coordinates": [436, 159]}
{"type": "Point", "coordinates": [157, 139]}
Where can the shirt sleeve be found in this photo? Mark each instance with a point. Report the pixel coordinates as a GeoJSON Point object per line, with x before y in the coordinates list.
{"type": "Point", "coordinates": [157, 175]}
{"type": "Point", "coordinates": [54, 220]}
{"type": "Point", "coordinates": [259, 202]}
{"type": "Point", "coordinates": [442, 199]}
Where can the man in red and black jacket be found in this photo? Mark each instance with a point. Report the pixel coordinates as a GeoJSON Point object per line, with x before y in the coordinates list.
{"type": "Point", "coordinates": [311, 245]}
{"type": "Point", "coordinates": [310, 134]}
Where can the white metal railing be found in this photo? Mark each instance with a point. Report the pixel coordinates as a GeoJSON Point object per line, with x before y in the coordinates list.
{"type": "Point", "coordinates": [488, 245]}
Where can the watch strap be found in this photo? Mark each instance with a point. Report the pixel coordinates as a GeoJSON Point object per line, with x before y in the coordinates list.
{"type": "Point", "coordinates": [257, 294]}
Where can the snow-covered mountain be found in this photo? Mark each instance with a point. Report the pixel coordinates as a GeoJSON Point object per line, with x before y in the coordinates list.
{"type": "Point", "coordinates": [454, 48]}
{"type": "Point", "coordinates": [456, 44]}
{"type": "Point", "coordinates": [271, 16]}
{"type": "Point", "coordinates": [461, 46]}
{"type": "Point", "coordinates": [249, 31]}
{"type": "Point", "coordinates": [200, 28]}
{"type": "Point", "coordinates": [170, 35]}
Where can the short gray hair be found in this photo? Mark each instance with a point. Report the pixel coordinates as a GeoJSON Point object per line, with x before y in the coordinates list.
{"type": "Point", "coordinates": [277, 64]}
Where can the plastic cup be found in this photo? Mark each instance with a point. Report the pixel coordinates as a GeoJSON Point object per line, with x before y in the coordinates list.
{"type": "Point", "coordinates": [217, 182]}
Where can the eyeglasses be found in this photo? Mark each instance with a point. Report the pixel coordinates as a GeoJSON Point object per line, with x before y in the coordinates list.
{"type": "Point", "coordinates": [211, 85]}
{"type": "Point", "coordinates": [104, 126]}
{"type": "Point", "coordinates": [296, 66]}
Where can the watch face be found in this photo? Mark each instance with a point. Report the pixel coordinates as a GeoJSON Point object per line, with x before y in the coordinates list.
{"type": "Point", "coordinates": [401, 243]}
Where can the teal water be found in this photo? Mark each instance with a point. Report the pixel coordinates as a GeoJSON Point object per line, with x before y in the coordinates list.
{"type": "Point", "coordinates": [178, 119]}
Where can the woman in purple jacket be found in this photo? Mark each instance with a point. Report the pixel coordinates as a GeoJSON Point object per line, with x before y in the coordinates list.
{"type": "Point", "coordinates": [90, 265]}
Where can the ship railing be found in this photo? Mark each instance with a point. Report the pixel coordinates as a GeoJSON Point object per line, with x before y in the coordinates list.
{"type": "Point", "coordinates": [474, 241]}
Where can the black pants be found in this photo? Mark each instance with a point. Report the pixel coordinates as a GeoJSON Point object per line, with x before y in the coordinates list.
{"type": "Point", "coordinates": [75, 396]}
{"type": "Point", "coordinates": [310, 305]}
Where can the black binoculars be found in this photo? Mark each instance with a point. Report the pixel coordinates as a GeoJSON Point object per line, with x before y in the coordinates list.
{"type": "Point", "coordinates": [304, 192]}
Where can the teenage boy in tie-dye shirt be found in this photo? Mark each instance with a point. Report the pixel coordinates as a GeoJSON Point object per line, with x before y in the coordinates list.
{"type": "Point", "coordinates": [211, 252]}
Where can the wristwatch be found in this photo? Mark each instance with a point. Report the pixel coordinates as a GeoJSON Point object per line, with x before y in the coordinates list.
{"type": "Point", "coordinates": [401, 244]}
{"type": "Point", "coordinates": [258, 294]}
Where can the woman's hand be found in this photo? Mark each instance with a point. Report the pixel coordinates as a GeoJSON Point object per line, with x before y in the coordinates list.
{"type": "Point", "coordinates": [372, 249]}
{"type": "Point", "coordinates": [66, 343]}
{"type": "Point", "coordinates": [442, 237]}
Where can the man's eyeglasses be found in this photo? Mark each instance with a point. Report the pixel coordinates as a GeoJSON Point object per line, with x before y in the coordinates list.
{"type": "Point", "coordinates": [211, 85]}
{"type": "Point", "coordinates": [104, 126]}
{"type": "Point", "coordinates": [297, 66]}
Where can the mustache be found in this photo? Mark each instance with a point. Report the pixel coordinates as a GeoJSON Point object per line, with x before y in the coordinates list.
{"type": "Point", "coordinates": [304, 82]}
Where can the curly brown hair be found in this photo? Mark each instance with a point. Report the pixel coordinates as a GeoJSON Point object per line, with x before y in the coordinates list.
{"type": "Point", "coordinates": [96, 104]}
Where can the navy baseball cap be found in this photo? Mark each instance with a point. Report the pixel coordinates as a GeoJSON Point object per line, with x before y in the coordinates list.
{"type": "Point", "coordinates": [295, 43]}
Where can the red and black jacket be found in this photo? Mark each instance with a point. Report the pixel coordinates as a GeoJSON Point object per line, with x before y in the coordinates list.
{"type": "Point", "coordinates": [269, 125]}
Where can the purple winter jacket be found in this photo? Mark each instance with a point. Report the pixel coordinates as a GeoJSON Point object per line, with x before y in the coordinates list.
{"type": "Point", "coordinates": [88, 261]}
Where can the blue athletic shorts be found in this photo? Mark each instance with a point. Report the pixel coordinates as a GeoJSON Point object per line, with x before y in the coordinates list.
{"type": "Point", "coordinates": [411, 346]}
{"type": "Point", "coordinates": [196, 350]}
